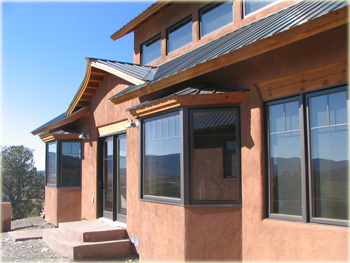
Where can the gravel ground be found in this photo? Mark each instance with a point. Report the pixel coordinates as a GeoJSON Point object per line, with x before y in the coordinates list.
{"type": "Point", "coordinates": [35, 250]}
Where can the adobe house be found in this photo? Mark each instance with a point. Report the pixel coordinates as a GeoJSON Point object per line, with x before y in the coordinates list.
{"type": "Point", "coordinates": [225, 140]}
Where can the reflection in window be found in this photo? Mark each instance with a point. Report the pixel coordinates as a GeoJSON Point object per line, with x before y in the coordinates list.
{"type": "Point", "coordinates": [70, 164]}
{"type": "Point", "coordinates": [215, 16]}
{"type": "Point", "coordinates": [329, 155]}
{"type": "Point", "coordinates": [180, 34]}
{"type": "Point", "coordinates": [150, 50]}
{"type": "Point", "coordinates": [251, 6]}
{"type": "Point", "coordinates": [215, 156]}
{"type": "Point", "coordinates": [122, 176]}
{"type": "Point", "coordinates": [161, 158]}
{"type": "Point", "coordinates": [285, 159]}
{"type": "Point", "coordinates": [51, 173]}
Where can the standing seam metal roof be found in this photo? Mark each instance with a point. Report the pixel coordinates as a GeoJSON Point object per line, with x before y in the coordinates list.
{"type": "Point", "coordinates": [278, 22]}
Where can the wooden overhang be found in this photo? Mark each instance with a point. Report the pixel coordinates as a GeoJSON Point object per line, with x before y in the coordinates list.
{"type": "Point", "coordinates": [310, 28]}
{"type": "Point", "coordinates": [146, 15]}
{"type": "Point", "coordinates": [47, 137]}
{"type": "Point", "coordinates": [64, 120]}
{"type": "Point", "coordinates": [188, 98]}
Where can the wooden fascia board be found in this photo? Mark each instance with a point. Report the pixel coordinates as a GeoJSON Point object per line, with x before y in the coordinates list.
{"type": "Point", "coordinates": [52, 137]}
{"type": "Point", "coordinates": [81, 89]}
{"type": "Point", "coordinates": [318, 25]}
{"type": "Point", "coordinates": [74, 117]}
{"type": "Point", "coordinates": [235, 97]}
{"type": "Point", "coordinates": [118, 73]}
{"type": "Point", "coordinates": [129, 27]}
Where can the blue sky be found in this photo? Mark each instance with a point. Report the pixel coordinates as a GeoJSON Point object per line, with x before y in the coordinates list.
{"type": "Point", "coordinates": [43, 50]}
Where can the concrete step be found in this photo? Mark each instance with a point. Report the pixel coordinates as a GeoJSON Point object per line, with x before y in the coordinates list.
{"type": "Point", "coordinates": [92, 231]}
{"type": "Point", "coordinates": [77, 250]}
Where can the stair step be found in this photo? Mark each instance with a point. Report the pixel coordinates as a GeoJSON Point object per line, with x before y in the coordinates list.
{"type": "Point", "coordinates": [76, 250]}
{"type": "Point", "coordinates": [92, 231]}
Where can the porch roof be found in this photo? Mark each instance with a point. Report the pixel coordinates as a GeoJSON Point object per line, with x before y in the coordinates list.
{"type": "Point", "coordinates": [195, 62]}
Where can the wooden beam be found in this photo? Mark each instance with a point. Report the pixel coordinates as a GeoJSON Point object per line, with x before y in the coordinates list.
{"type": "Point", "coordinates": [85, 97]}
{"type": "Point", "coordinates": [236, 97]}
{"type": "Point", "coordinates": [333, 74]}
{"type": "Point", "coordinates": [52, 137]}
{"type": "Point", "coordinates": [112, 128]}
{"type": "Point", "coordinates": [297, 33]}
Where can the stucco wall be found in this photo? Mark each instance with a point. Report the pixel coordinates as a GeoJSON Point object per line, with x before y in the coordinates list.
{"type": "Point", "coordinates": [51, 205]}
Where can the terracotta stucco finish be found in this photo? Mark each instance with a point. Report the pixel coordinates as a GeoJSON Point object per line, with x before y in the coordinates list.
{"type": "Point", "coordinates": [62, 205]}
{"type": "Point", "coordinates": [179, 11]}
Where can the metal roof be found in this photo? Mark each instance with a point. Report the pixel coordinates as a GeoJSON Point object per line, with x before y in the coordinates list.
{"type": "Point", "coordinates": [205, 120]}
{"type": "Point", "coordinates": [278, 22]}
{"type": "Point", "coordinates": [205, 88]}
{"type": "Point", "coordinates": [143, 72]}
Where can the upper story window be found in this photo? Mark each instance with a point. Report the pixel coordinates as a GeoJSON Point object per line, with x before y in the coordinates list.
{"type": "Point", "coordinates": [151, 50]}
{"type": "Point", "coordinates": [63, 164]}
{"type": "Point", "coordinates": [210, 137]}
{"type": "Point", "coordinates": [179, 34]}
{"type": "Point", "coordinates": [250, 6]}
{"type": "Point", "coordinates": [312, 185]}
{"type": "Point", "coordinates": [214, 16]}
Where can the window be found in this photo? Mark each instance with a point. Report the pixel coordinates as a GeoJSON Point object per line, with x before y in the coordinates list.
{"type": "Point", "coordinates": [250, 6]}
{"type": "Point", "coordinates": [51, 163]}
{"type": "Point", "coordinates": [161, 163]}
{"type": "Point", "coordinates": [68, 155]}
{"type": "Point", "coordinates": [150, 50]}
{"type": "Point", "coordinates": [215, 160]}
{"type": "Point", "coordinates": [201, 143]}
{"type": "Point", "coordinates": [70, 164]}
{"type": "Point", "coordinates": [179, 34]}
{"type": "Point", "coordinates": [215, 16]}
{"type": "Point", "coordinates": [308, 164]}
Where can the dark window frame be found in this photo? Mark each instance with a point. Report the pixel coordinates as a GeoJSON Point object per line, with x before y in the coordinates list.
{"type": "Point", "coordinates": [209, 7]}
{"type": "Point", "coordinates": [149, 42]}
{"type": "Point", "coordinates": [59, 164]}
{"type": "Point", "coordinates": [305, 140]}
{"type": "Point", "coordinates": [175, 27]}
{"type": "Point", "coordinates": [185, 156]}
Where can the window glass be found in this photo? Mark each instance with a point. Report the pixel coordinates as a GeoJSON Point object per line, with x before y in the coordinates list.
{"type": "Point", "coordinates": [252, 6]}
{"type": "Point", "coordinates": [122, 176]}
{"type": "Point", "coordinates": [51, 163]}
{"type": "Point", "coordinates": [162, 157]}
{"type": "Point", "coordinates": [150, 50]}
{"type": "Point", "coordinates": [215, 156]}
{"type": "Point", "coordinates": [329, 155]}
{"type": "Point", "coordinates": [180, 34]}
{"type": "Point", "coordinates": [285, 159]}
{"type": "Point", "coordinates": [215, 16]}
{"type": "Point", "coordinates": [70, 164]}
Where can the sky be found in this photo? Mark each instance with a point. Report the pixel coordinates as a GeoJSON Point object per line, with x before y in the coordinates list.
{"type": "Point", "coordinates": [43, 51]}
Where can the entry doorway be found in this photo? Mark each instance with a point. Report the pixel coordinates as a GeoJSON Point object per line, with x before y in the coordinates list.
{"type": "Point", "coordinates": [112, 180]}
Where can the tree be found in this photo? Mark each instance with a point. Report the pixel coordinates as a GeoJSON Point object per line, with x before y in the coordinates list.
{"type": "Point", "coordinates": [21, 186]}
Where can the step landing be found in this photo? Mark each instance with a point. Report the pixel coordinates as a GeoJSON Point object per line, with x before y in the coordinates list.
{"type": "Point", "coordinates": [88, 240]}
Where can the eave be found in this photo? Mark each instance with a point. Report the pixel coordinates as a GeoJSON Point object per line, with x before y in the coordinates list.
{"type": "Point", "coordinates": [66, 120]}
{"type": "Point", "coordinates": [95, 73]}
{"type": "Point", "coordinates": [175, 101]}
{"type": "Point", "coordinates": [52, 137]}
{"type": "Point", "coordinates": [310, 28]}
{"type": "Point", "coordinates": [143, 17]}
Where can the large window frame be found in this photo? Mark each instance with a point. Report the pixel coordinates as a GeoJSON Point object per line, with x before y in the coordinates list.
{"type": "Point", "coordinates": [209, 8]}
{"type": "Point", "coordinates": [59, 163]}
{"type": "Point", "coordinates": [186, 152]}
{"type": "Point", "coordinates": [262, 7]}
{"type": "Point", "coordinates": [307, 181]}
{"type": "Point", "coordinates": [152, 41]}
{"type": "Point", "coordinates": [177, 28]}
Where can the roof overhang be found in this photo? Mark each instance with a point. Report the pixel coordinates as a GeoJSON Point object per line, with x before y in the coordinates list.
{"type": "Point", "coordinates": [63, 121]}
{"type": "Point", "coordinates": [310, 28]}
{"type": "Point", "coordinates": [47, 137]}
{"type": "Point", "coordinates": [94, 76]}
{"type": "Point", "coordinates": [143, 17]}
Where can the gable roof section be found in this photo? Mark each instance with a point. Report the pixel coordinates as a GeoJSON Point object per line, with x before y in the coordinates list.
{"type": "Point", "coordinates": [141, 18]}
{"type": "Point", "coordinates": [256, 38]}
{"type": "Point", "coordinates": [97, 69]}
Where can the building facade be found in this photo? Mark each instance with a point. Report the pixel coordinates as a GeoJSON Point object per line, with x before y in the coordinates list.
{"type": "Point", "coordinates": [225, 140]}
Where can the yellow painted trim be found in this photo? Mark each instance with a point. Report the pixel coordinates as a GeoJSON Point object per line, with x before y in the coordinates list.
{"type": "Point", "coordinates": [112, 128]}
{"type": "Point", "coordinates": [117, 73]}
